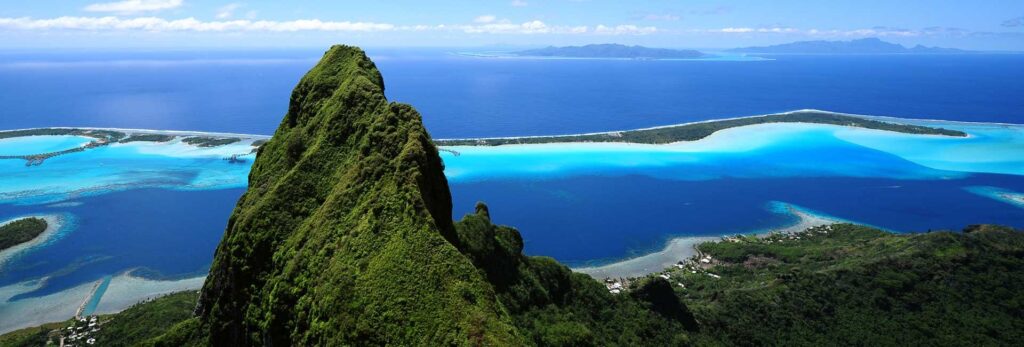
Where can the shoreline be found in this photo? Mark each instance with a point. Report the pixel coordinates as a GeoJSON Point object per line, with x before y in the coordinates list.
{"type": "Point", "coordinates": [890, 119]}
{"type": "Point", "coordinates": [54, 223]}
{"type": "Point", "coordinates": [682, 248]}
{"type": "Point", "coordinates": [152, 131]}
{"type": "Point", "coordinates": [123, 291]}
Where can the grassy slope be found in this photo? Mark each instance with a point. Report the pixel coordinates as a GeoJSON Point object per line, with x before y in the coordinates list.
{"type": "Point", "coordinates": [143, 321]}
{"type": "Point", "coordinates": [345, 237]}
{"type": "Point", "coordinates": [856, 285]}
{"type": "Point", "coordinates": [553, 306]}
{"type": "Point", "coordinates": [340, 238]}
{"type": "Point", "coordinates": [35, 336]}
{"type": "Point", "coordinates": [853, 285]}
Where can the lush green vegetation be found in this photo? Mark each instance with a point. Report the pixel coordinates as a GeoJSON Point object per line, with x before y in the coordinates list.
{"type": "Point", "coordinates": [148, 138]}
{"type": "Point", "coordinates": [553, 306]}
{"type": "Point", "coordinates": [854, 285]}
{"type": "Point", "coordinates": [838, 285]}
{"type": "Point", "coordinates": [144, 322]}
{"type": "Point", "coordinates": [108, 135]}
{"type": "Point", "coordinates": [697, 131]}
{"type": "Point", "coordinates": [20, 231]}
{"type": "Point", "coordinates": [345, 237]}
{"type": "Point", "coordinates": [203, 141]}
{"type": "Point", "coordinates": [342, 236]}
{"type": "Point", "coordinates": [36, 336]}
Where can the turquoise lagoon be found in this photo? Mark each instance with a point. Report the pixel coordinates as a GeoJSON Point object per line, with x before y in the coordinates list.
{"type": "Point", "coordinates": [42, 144]}
{"type": "Point", "coordinates": [172, 165]}
{"type": "Point", "coordinates": [134, 220]}
{"type": "Point", "coordinates": [595, 203]}
{"type": "Point", "coordinates": [144, 218]}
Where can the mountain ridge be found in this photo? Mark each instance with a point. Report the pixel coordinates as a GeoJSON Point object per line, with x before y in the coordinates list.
{"type": "Point", "coordinates": [860, 46]}
{"type": "Point", "coordinates": [346, 236]}
{"type": "Point", "coordinates": [611, 50]}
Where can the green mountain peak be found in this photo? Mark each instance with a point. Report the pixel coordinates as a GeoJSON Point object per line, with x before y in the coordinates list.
{"type": "Point", "coordinates": [341, 236]}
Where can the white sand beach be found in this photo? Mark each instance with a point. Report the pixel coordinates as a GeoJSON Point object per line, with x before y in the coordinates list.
{"type": "Point", "coordinates": [685, 247]}
{"type": "Point", "coordinates": [124, 290]}
{"type": "Point", "coordinates": [54, 223]}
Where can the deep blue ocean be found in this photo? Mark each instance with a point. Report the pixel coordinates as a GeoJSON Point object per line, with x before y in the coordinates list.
{"type": "Point", "coordinates": [461, 96]}
{"type": "Point", "coordinates": [582, 219]}
{"type": "Point", "coordinates": [161, 234]}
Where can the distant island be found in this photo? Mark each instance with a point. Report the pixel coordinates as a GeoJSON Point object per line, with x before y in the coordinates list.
{"type": "Point", "coordinates": [861, 46]}
{"type": "Point", "coordinates": [20, 231]}
{"type": "Point", "coordinates": [346, 237]}
{"type": "Point", "coordinates": [699, 130]}
{"type": "Point", "coordinates": [611, 51]}
{"type": "Point", "coordinates": [106, 137]}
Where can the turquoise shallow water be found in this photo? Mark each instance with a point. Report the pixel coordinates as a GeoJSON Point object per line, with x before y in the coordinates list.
{"type": "Point", "coordinates": [157, 210]}
{"type": "Point", "coordinates": [761, 151]}
{"type": "Point", "coordinates": [117, 167]}
{"type": "Point", "coordinates": [580, 202]}
{"type": "Point", "coordinates": [40, 144]}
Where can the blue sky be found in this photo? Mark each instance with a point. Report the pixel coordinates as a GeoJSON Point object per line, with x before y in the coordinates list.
{"type": "Point", "coordinates": [984, 24]}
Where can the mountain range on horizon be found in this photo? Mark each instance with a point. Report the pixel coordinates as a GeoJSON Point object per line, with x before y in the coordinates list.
{"type": "Point", "coordinates": [611, 50]}
{"type": "Point", "coordinates": [346, 236]}
{"type": "Point", "coordinates": [870, 45]}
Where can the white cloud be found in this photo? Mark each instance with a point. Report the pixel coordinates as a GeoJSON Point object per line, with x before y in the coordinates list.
{"type": "Point", "coordinates": [624, 30]}
{"type": "Point", "coordinates": [228, 11]}
{"type": "Point", "coordinates": [156, 24]}
{"type": "Point", "coordinates": [187, 24]}
{"type": "Point", "coordinates": [133, 6]}
{"type": "Point", "coordinates": [519, 3]}
{"type": "Point", "coordinates": [736, 30]}
{"type": "Point", "coordinates": [836, 33]}
{"type": "Point", "coordinates": [531, 27]}
{"type": "Point", "coordinates": [485, 19]}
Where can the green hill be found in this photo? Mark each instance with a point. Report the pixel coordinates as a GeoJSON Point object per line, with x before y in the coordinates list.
{"type": "Point", "coordinates": [345, 237]}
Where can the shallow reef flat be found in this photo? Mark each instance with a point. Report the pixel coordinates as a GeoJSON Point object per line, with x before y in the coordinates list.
{"type": "Point", "coordinates": [586, 186]}
{"type": "Point", "coordinates": [680, 249]}
{"type": "Point", "coordinates": [123, 291]}
{"type": "Point", "coordinates": [131, 159]}
{"type": "Point", "coordinates": [831, 149]}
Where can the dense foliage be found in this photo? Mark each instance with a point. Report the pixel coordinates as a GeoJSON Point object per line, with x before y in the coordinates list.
{"type": "Point", "coordinates": [204, 141]}
{"type": "Point", "coordinates": [345, 237]}
{"type": "Point", "coordinates": [110, 135]}
{"type": "Point", "coordinates": [145, 321]}
{"type": "Point", "coordinates": [553, 306]}
{"type": "Point", "coordinates": [854, 285]}
{"type": "Point", "coordinates": [342, 236]}
{"type": "Point", "coordinates": [21, 230]}
{"type": "Point", "coordinates": [148, 138]}
{"type": "Point", "coordinates": [34, 336]}
{"type": "Point", "coordinates": [697, 131]}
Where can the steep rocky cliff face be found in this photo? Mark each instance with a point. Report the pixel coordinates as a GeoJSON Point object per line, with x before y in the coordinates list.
{"type": "Point", "coordinates": [343, 233]}
{"type": "Point", "coordinates": [345, 236]}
